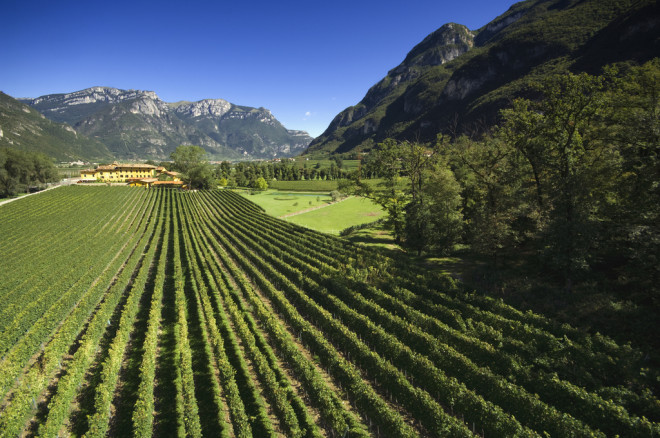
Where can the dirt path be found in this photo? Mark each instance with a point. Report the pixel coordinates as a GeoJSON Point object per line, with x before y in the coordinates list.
{"type": "Point", "coordinates": [307, 210]}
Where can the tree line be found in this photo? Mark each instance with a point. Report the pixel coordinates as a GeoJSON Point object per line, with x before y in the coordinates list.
{"type": "Point", "coordinates": [198, 173]}
{"type": "Point", "coordinates": [22, 171]}
{"type": "Point", "coordinates": [246, 174]}
{"type": "Point", "coordinates": [572, 175]}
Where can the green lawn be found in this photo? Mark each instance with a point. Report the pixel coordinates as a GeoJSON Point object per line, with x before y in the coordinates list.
{"type": "Point", "coordinates": [331, 218]}
{"type": "Point", "coordinates": [334, 218]}
{"type": "Point", "coordinates": [280, 203]}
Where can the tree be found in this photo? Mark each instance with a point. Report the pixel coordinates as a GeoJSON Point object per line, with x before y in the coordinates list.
{"type": "Point", "coordinates": [562, 138]}
{"type": "Point", "coordinates": [224, 169]}
{"type": "Point", "coordinates": [20, 170]}
{"type": "Point", "coordinates": [521, 131]}
{"type": "Point", "coordinates": [8, 184]}
{"type": "Point", "coordinates": [636, 103]}
{"type": "Point", "coordinates": [339, 161]}
{"type": "Point", "coordinates": [490, 177]}
{"type": "Point", "coordinates": [200, 177]}
{"type": "Point", "coordinates": [192, 162]}
{"type": "Point", "coordinates": [418, 192]}
{"type": "Point", "coordinates": [186, 157]}
{"type": "Point", "coordinates": [636, 232]}
{"type": "Point", "coordinates": [386, 161]}
{"type": "Point", "coordinates": [336, 195]}
{"type": "Point", "coordinates": [433, 218]}
{"type": "Point", "coordinates": [260, 184]}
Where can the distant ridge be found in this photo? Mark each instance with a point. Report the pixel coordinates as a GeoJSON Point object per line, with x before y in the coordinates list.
{"type": "Point", "coordinates": [136, 124]}
{"type": "Point", "coordinates": [24, 128]}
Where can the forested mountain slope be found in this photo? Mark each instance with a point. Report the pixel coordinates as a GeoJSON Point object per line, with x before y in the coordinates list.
{"type": "Point", "coordinates": [457, 80]}
{"type": "Point", "coordinates": [24, 128]}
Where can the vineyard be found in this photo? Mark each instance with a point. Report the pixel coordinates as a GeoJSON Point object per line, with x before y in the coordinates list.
{"type": "Point", "coordinates": [132, 312]}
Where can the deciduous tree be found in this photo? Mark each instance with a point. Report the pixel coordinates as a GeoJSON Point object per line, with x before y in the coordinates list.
{"type": "Point", "coordinates": [192, 162]}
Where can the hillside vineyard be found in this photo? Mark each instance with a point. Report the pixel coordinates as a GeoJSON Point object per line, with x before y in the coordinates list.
{"type": "Point", "coordinates": [135, 312]}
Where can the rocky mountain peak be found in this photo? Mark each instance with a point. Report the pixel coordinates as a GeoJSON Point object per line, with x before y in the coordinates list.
{"type": "Point", "coordinates": [440, 47]}
{"type": "Point", "coordinates": [206, 107]}
{"type": "Point", "coordinates": [93, 95]}
{"type": "Point", "coordinates": [138, 124]}
{"type": "Point", "coordinates": [445, 44]}
{"type": "Point", "coordinates": [457, 79]}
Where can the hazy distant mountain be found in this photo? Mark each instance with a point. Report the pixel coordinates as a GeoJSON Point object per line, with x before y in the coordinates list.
{"type": "Point", "coordinates": [138, 124]}
{"type": "Point", "coordinates": [456, 80]}
{"type": "Point", "coordinates": [24, 128]}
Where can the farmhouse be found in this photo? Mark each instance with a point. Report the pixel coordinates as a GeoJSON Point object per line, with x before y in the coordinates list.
{"type": "Point", "coordinates": [155, 182]}
{"type": "Point", "coordinates": [128, 173]}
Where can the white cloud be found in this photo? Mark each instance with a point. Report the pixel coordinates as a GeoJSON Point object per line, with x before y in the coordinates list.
{"type": "Point", "coordinates": [308, 113]}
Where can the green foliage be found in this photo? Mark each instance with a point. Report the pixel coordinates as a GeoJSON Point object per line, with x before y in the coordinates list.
{"type": "Point", "coordinates": [418, 192]}
{"type": "Point", "coordinates": [191, 161]}
{"type": "Point", "coordinates": [441, 218]}
{"type": "Point", "coordinates": [260, 184]}
{"type": "Point", "coordinates": [277, 174]}
{"type": "Point", "coordinates": [490, 175]}
{"type": "Point", "coordinates": [188, 157]}
{"type": "Point", "coordinates": [635, 104]}
{"type": "Point", "coordinates": [572, 176]}
{"type": "Point", "coordinates": [20, 171]}
{"type": "Point", "coordinates": [562, 139]}
{"type": "Point", "coordinates": [306, 185]}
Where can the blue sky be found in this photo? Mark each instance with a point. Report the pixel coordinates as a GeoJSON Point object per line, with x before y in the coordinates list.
{"type": "Point", "coordinates": [305, 61]}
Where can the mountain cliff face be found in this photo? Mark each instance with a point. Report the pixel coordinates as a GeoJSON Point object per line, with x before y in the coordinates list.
{"type": "Point", "coordinates": [24, 128]}
{"type": "Point", "coordinates": [456, 80]}
{"type": "Point", "coordinates": [138, 124]}
{"type": "Point", "coordinates": [442, 46]}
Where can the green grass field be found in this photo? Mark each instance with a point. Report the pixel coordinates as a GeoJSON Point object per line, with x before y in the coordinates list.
{"type": "Point", "coordinates": [280, 203]}
{"type": "Point", "coordinates": [334, 218]}
{"type": "Point", "coordinates": [331, 218]}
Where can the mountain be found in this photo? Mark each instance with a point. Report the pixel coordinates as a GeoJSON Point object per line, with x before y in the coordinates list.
{"type": "Point", "coordinates": [456, 80]}
{"type": "Point", "coordinates": [138, 124]}
{"type": "Point", "coordinates": [24, 128]}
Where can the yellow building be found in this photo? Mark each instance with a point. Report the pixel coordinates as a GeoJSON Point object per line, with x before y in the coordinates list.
{"type": "Point", "coordinates": [155, 182]}
{"type": "Point", "coordinates": [116, 172]}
